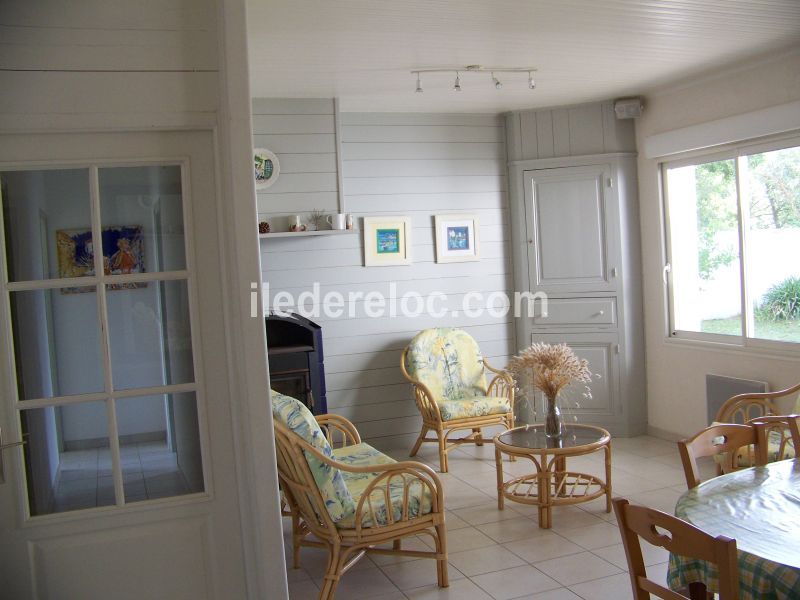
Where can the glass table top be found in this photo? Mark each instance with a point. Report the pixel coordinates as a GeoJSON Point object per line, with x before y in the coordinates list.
{"type": "Point", "coordinates": [534, 437]}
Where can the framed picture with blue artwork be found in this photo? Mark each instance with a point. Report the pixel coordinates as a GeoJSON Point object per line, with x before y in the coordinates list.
{"type": "Point", "coordinates": [387, 241]}
{"type": "Point", "coordinates": [456, 238]}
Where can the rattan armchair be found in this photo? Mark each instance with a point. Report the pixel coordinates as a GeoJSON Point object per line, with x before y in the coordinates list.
{"type": "Point", "coordinates": [400, 499]}
{"type": "Point", "coordinates": [447, 373]}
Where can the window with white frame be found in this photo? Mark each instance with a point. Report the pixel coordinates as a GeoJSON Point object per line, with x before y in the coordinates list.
{"type": "Point", "coordinates": [733, 244]}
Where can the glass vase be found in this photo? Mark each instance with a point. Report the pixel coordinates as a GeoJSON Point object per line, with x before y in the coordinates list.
{"type": "Point", "coordinates": [553, 426]}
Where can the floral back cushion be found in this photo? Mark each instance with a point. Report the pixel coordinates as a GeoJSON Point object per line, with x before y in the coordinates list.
{"type": "Point", "coordinates": [449, 362]}
{"type": "Point", "coordinates": [294, 415]}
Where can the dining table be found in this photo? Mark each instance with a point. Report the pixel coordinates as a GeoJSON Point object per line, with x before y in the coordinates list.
{"type": "Point", "coordinates": [759, 507]}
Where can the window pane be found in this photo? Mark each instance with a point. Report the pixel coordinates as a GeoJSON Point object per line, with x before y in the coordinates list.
{"type": "Point", "coordinates": [66, 457]}
{"type": "Point", "coordinates": [150, 334]}
{"type": "Point", "coordinates": [704, 248]}
{"type": "Point", "coordinates": [56, 342]}
{"type": "Point", "coordinates": [141, 212]}
{"type": "Point", "coordinates": [48, 224]}
{"type": "Point", "coordinates": [160, 446]}
{"type": "Point", "coordinates": [772, 197]}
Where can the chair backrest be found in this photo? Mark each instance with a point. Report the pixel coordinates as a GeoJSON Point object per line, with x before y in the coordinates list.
{"type": "Point", "coordinates": [448, 362]}
{"type": "Point", "coordinates": [678, 537]}
{"type": "Point", "coordinates": [725, 442]}
{"type": "Point", "coordinates": [297, 420]}
{"type": "Point", "coordinates": [744, 407]}
{"type": "Point", "coordinates": [778, 437]}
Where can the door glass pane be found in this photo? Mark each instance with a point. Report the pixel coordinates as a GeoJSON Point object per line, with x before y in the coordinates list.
{"type": "Point", "coordinates": [141, 212]}
{"type": "Point", "coordinates": [150, 334]}
{"type": "Point", "coordinates": [56, 342]}
{"type": "Point", "coordinates": [704, 248]}
{"type": "Point", "coordinates": [160, 444]}
{"type": "Point", "coordinates": [772, 196]}
{"type": "Point", "coordinates": [66, 457]}
{"type": "Point", "coordinates": [47, 223]}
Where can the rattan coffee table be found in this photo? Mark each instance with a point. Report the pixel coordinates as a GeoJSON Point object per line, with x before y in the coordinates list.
{"type": "Point", "coordinates": [551, 484]}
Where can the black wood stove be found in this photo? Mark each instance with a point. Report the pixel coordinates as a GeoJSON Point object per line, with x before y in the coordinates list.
{"type": "Point", "coordinates": [296, 362]}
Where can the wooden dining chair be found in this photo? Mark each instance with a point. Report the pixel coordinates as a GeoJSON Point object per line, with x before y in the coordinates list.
{"type": "Point", "coordinates": [778, 437]}
{"type": "Point", "coordinates": [678, 537]}
{"type": "Point", "coordinates": [725, 443]}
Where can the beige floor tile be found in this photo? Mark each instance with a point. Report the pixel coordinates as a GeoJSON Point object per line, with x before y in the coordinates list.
{"type": "Point", "coordinates": [511, 530]}
{"type": "Point", "coordinates": [543, 547]}
{"type": "Point", "coordinates": [484, 560]}
{"type": "Point", "coordinates": [616, 586]}
{"type": "Point", "coordinates": [303, 590]}
{"type": "Point", "coordinates": [315, 561]}
{"type": "Point", "coordinates": [557, 594]}
{"type": "Point", "coordinates": [362, 584]}
{"type": "Point", "coordinates": [409, 575]}
{"type": "Point", "coordinates": [487, 513]}
{"type": "Point", "coordinates": [663, 499]}
{"type": "Point", "coordinates": [295, 575]}
{"type": "Point", "coordinates": [512, 583]}
{"type": "Point", "coordinates": [466, 497]}
{"type": "Point", "coordinates": [572, 517]}
{"type": "Point", "coordinates": [409, 543]}
{"type": "Point", "coordinates": [467, 538]}
{"type": "Point", "coordinates": [462, 589]}
{"type": "Point", "coordinates": [616, 554]}
{"type": "Point", "coordinates": [594, 536]}
{"type": "Point", "coordinates": [577, 568]}
{"type": "Point", "coordinates": [658, 572]}
{"type": "Point", "coordinates": [453, 521]}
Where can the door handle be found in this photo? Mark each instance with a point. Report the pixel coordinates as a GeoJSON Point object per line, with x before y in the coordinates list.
{"type": "Point", "coordinates": [6, 447]}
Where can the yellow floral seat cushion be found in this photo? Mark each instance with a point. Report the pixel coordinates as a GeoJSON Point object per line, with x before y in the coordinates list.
{"type": "Point", "coordinates": [419, 502]}
{"type": "Point", "coordinates": [478, 406]}
{"type": "Point", "coordinates": [294, 415]}
{"type": "Point", "coordinates": [746, 455]}
{"type": "Point", "coordinates": [449, 363]}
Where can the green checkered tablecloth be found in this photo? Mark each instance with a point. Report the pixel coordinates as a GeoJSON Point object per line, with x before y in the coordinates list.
{"type": "Point", "coordinates": [760, 508]}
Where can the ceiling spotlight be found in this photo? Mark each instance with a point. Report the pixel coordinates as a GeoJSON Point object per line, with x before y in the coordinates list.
{"type": "Point", "coordinates": [419, 85]}
{"type": "Point", "coordinates": [531, 82]}
{"type": "Point", "coordinates": [497, 84]}
{"type": "Point", "coordinates": [457, 85]}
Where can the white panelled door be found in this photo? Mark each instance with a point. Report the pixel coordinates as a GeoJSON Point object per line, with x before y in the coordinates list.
{"type": "Point", "coordinates": [114, 371]}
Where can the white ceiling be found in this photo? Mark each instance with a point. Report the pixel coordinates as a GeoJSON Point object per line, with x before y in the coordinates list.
{"type": "Point", "coordinates": [585, 50]}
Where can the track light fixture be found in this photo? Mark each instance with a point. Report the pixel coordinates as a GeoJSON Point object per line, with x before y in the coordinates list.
{"type": "Point", "coordinates": [498, 85]}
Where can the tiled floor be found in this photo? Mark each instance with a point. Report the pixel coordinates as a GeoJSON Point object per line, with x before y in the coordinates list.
{"type": "Point", "coordinates": [149, 470]}
{"type": "Point", "coordinates": [503, 554]}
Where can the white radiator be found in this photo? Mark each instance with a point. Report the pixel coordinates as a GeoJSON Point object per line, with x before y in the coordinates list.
{"type": "Point", "coordinates": [719, 388]}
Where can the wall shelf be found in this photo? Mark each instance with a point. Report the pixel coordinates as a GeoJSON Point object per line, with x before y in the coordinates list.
{"type": "Point", "coordinates": [286, 234]}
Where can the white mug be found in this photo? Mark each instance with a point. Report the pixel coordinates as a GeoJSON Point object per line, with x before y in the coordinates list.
{"type": "Point", "coordinates": [336, 221]}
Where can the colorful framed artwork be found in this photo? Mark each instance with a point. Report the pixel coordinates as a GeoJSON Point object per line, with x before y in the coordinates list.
{"type": "Point", "coordinates": [456, 238]}
{"type": "Point", "coordinates": [266, 166]}
{"type": "Point", "coordinates": [387, 241]}
{"type": "Point", "coordinates": [123, 254]}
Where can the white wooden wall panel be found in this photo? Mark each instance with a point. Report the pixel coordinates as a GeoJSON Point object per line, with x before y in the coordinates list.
{"type": "Point", "coordinates": [568, 131]}
{"type": "Point", "coordinates": [113, 99]}
{"type": "Point", "coordinates": [415, 165]}
{"type": "Point", "coordinates": [301, 133]}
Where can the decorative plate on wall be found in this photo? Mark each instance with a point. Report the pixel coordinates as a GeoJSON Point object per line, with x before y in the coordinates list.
{"type": "Point", "coordinates": [267, 168]}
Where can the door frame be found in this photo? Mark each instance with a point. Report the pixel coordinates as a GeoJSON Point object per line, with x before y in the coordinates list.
{"type": "Point", "coordinates": [230, 123]}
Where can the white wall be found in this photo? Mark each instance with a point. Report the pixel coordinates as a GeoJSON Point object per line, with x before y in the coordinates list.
{"type": "Point", "coordinates": [676, 371]}
{"type": "Point", "coordinates": [415, 165]}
